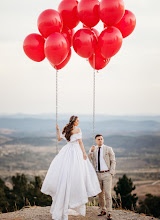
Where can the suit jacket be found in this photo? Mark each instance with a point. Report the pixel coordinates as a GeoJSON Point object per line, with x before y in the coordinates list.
{"type": "Point", "coordinates": [108, 155]}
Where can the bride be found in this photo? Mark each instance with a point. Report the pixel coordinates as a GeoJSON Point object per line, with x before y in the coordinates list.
{"type": "Point", "coordinates": [71, 178]}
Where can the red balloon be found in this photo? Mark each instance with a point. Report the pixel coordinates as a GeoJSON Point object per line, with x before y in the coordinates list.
{"type": "Point", "coordinates": [33, 47]}
{"type": "Point", "coordinates": [56, 48]}
{"type": "Point", "coordinates": [88, 12]}
{"type": "Point", "coordinates": [72, 34]}
{"type": "Point", "coordinates": [68, 33]}
{"type": "Point", "coordinates": [49, 21]}
{"type": "Point", "coordinates": [84, 42]}
{"type": "Point", "coordinates": [111, 11]}
{"type": "Point", "coordinates": [110, 42]}
{"type": "Point", "coordinates": [127, 23]}
{"type": "Point", "coordinates": [61, 65]}
{"type": "Point", "coordinates": [69, 13]}
{"type": "Point", "coordinates": [104, 25]}
{"type": "Point", "coordinates": [100, 61]}
{"type": "Point", "coordinates": [93, 30]}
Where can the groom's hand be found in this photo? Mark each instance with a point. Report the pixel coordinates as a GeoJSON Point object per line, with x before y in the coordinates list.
{"type": "Point", "coordinates": [92, 148]}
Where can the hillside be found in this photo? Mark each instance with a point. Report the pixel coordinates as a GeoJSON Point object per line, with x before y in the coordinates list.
{"type": "Point", "coordinates": [42, 213]}
{"type": "Point", "coordinates": [40, 126]}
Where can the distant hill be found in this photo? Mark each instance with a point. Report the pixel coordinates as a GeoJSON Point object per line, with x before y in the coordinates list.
{"type": "Point", "coordinates": [118, 131]}
{"type": "Point", "coordinates": [99, 117]}
{"type": "Point", "coordinates": [35, 126]}
{"type": "Point", "coordinates": [143, 143]}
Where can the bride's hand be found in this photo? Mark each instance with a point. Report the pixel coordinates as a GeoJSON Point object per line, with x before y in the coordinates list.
{"type": "Point", "coordinates": [57, 126]}
{"type": "Point", "coordinates": [84, 156]}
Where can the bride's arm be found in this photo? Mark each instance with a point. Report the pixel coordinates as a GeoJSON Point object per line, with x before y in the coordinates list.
{"type": "Point", "coordinates": [82, 148]}
{"type": "Point", "coordinates": [58, 133]}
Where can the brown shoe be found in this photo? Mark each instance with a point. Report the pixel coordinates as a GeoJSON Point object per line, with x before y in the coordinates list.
{"type": "Point", "coordinates": [109, 217]}
{"type": "Point", "coordinates": [102, 213]}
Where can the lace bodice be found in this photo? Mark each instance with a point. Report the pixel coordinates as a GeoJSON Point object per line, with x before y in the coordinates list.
{"type": "Point", "coordinates": [74, 137]}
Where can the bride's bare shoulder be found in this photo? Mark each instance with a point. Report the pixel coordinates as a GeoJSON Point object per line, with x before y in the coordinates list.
{"type": "Point", "coordinates": [76, 130]}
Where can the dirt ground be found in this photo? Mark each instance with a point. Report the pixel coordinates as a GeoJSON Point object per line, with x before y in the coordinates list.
{"type": "Point", "coordinates": [42, 213]}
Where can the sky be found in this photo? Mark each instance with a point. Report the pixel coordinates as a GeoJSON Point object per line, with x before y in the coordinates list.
{"type": "Point", "coordinates": [128, 85]}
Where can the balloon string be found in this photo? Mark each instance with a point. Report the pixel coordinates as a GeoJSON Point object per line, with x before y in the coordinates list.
{"type": "Point", "coordinates": [94, 98]}
{"type": "Point", "coordinates": [56, 109]}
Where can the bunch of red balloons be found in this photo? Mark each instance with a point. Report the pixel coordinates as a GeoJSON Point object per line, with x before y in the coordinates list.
{"type": "Point", "coordinates": [57, 34]}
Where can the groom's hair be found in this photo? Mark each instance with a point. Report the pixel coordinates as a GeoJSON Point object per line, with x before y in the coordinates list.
{"type": "Point", "coordinates": [98, 135]}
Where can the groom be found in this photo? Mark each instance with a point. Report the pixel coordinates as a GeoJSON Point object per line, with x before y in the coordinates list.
{"type": "Point", "coordinates": [103, 160]}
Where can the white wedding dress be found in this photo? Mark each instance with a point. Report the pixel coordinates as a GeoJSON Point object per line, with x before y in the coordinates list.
{"type": "Point", "coordinates": [70, 180]}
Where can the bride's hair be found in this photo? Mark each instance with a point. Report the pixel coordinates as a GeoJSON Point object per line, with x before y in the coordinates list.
{"type": "Point", "coordinates": [69, 127]}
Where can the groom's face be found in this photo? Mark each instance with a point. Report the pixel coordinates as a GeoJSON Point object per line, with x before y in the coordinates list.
{"type": "Point", "coordinates": [99, 140]}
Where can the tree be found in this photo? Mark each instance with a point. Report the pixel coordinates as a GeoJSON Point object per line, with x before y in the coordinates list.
{"type": "Point", "coordinates": [4, 203]}
{"type": "Point", "coordinates": [23, 193]}
{"type": "Point", "coordinates": [123, 191]}
{"type": "Point", "coordinates": [35, 196]}
{"type": "Point", "coordinates": [150, 205]}
{"type": "Point", "coordinates": [20, 190]}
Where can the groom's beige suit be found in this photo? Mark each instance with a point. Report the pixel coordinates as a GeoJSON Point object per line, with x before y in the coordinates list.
{"type": "Point", "coordinates": [105, 178]}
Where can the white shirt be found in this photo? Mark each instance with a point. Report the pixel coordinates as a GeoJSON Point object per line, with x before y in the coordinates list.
{"type": "Point", "coordinates": [103, 165]}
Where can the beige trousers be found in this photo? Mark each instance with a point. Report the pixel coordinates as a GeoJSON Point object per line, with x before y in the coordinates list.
{"type": "Point", "coordinates": [105, 180]}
